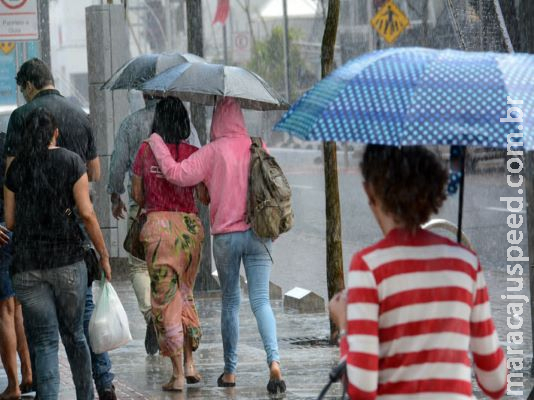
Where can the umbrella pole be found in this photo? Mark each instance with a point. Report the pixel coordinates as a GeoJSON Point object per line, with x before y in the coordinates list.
{"type": "Point", "coordinates": [461, 194]}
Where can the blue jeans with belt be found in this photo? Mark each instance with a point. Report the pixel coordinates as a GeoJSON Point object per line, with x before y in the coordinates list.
{"type": "Point", "coordinates": [52, 300]}
{"type": "Point", "coordinates": [229, 250]}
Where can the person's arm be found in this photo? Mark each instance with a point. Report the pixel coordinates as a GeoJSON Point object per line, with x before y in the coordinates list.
{"type": "Point", "coordinates": [203, 194]}
{"type": "Point", "coordinates": [137, 190]}
{"type": "Point", "coordinates": [118, 208]}
{"type": "Point", "coordinates": [9, 208]}
{"type": "Point", "coordinates": [360, 344]}
{"type": "Point", "coordinates": [120, 159]}
{"type": "Point", "coordinates": [488, 356]}
{"type": "Point", "coordinates": [93, 169]}
{"type": "Point", "coordinates": [189, 172]}
{"type": "Point", "coordinates": [88, 216]}
{"type": "Point", "coordinates": [9, 160]}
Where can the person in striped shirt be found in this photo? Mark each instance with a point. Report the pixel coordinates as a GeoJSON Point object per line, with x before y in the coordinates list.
{"type": "Point", "coordinates": [416, 304]}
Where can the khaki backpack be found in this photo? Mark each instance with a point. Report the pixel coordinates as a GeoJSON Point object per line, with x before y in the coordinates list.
{"type": "Point", "coordinates": [269, 210]}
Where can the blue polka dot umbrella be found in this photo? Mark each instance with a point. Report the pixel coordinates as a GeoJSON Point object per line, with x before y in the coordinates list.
{"type": "Point", "coordinates": [409, 96]}
{"type": "Point", "coordinates": [418, 96]}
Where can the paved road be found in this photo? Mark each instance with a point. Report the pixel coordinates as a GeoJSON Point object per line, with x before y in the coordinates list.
{"type": "Point", "coordinates": [300, 254]}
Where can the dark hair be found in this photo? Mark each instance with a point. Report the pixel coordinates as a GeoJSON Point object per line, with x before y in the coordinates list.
{"type": "Point", "coordinates": [39, 128]}
{"type": "Point", "coordinates": [408, 181]}
{"type": "Point", "coordinates": [171, 120]}
{"type": "Point", "coordinates": [36, 72]}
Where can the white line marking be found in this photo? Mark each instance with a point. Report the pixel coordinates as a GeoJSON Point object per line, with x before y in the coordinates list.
{"type": "Point", "coordinates": [502, 209]}
{"type": "Point", "coordinates": [302, 187]}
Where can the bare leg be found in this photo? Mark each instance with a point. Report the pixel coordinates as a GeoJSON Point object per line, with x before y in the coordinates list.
{"type": "Point", "coordinates": [22, 348]}
{"type": "Point", "coordinates": [8, 348]}
{"type": "Point", "coordinates": [177, 381]}
{"type": "Point", "coordinates": [275, 372]}
{"type": "Point", "coordinates": [191, 373]}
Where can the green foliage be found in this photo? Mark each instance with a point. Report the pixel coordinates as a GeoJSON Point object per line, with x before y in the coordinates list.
{"type": "Point", "coordinates": [267, 60]}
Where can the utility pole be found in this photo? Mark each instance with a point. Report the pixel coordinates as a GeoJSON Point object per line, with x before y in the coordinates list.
{"type": "Point", "coordinates": [334, 255]}
{"type": "Point", "coordinates": [286, 51]}
{"type": "Point", "coordinates": [44, 32]}
{"type": "Point", "coordinates": [195, 45]}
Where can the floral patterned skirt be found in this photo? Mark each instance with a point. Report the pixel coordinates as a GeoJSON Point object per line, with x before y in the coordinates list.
{"type": "Point", "coordinates": [173, 242]}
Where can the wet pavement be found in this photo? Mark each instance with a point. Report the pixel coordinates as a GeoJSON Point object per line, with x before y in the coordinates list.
{"type": "Point", "coordinates": [139, 376]}
{"type": "Point", "coordinates": [306, 358]}
{"type": "Point", "coordinates": [299, 260]}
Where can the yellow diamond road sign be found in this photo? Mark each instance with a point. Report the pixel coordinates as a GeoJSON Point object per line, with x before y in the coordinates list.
{"type": "Point", "coordinates": [390, 21]}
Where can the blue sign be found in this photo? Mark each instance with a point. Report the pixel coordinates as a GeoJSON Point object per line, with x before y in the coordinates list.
{"type": "Point", "coordinates": [9, 64]}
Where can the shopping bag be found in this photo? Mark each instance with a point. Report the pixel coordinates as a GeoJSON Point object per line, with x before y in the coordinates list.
{"type": "Point", "coordinates": [108, 326]}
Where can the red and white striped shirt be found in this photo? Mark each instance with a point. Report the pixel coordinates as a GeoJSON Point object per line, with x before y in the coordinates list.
{"type": "Point", "coordinates": [417, 304]}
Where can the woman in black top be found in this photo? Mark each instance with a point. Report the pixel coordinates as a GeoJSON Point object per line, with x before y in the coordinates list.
{"type": "Point", "coordinates": [43, 185]}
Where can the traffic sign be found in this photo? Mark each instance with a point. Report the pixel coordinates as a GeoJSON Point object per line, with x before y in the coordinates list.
{"type": "Point", "coordinates": [19, 20]}
{"type": "Point", "coordinates": [390, 21]}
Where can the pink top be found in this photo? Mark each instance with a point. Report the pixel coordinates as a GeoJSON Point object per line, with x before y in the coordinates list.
{"type": "Point", "coordinates": [161, 195]}
{"type": "Point", "coordinates": [222, 165]}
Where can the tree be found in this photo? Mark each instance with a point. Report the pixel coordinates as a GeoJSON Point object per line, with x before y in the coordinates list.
{"type": "Point", "coordinates": [334, 255]}
{"type": "Point", "coordinates": [267, 61]}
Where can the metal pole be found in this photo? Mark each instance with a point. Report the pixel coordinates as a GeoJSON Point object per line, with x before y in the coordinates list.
{"type": "Point", "coordinates": [195, 45]}
{"type": "Point", "coordinates": [286, 51]}
{"type": "Point", "coordinates": [225, 45]}
{"type": "Point", "coordinates": [44, 32]}
{"type": "Point", "coordinates": [167, 12]}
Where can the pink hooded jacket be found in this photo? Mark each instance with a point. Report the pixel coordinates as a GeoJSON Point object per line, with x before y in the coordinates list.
{"type": "Point", "coordinates": [222, 165]}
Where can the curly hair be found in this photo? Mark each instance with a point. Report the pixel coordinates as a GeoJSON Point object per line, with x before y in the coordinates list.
{"type": "Point", "coordinates": [408, 181]}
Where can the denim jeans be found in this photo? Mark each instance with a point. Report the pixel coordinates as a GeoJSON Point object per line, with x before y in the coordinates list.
{"type": "Point", "coordinates": [100, 363]}
{"type": "Point", "coordinates": [229, 250]}
{"type": "Point", "coordinates": [53, 300]}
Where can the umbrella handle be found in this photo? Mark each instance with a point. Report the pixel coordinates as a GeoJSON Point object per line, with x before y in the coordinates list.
{"type": "Point", "coordinates": [446, 225]}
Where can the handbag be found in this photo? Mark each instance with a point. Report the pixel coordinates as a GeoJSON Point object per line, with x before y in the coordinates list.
{"type": "Point", "coordinates": [92, 264]}
{"type": "Point", "coordinates": [132, 243]}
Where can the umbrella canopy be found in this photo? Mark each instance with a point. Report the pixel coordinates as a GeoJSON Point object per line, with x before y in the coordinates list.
{"type": "Point", "coordinates": [202, 82]}
{"type": "Point", "coordinates": [409, 96]}
{"type": "Point", "coordinates": [144, 67]}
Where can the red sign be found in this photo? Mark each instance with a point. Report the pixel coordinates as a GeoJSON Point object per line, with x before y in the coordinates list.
{"type": "Point", "coordinates": [19, 20]}
{"type": "Point", "coordinates": [13, 4]}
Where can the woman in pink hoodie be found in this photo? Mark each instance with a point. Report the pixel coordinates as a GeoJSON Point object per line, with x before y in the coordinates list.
{"type": "Point", "coordinates": [223, 165]}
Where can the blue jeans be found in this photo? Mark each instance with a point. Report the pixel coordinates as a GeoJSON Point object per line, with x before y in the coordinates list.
{"type": "Point", "coordinates": [229, 250]}
{"type": "Point", "coordinates": [100, 363]}
{"type": "Point", "coordinates": [54, 299]}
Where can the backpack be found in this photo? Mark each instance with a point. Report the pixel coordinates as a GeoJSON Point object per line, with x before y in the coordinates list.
{"type": "Point", "coordinates": [269, 210]}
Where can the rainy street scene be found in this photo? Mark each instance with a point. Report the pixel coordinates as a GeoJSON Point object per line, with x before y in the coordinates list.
{"type": "Point", "coordinates": [266, 199]}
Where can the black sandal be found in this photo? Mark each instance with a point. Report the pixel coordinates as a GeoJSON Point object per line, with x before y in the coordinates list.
{"type": "Point", "coordinates": [276, 386]}
{"type": "Point", "coordinates": [222, 383]}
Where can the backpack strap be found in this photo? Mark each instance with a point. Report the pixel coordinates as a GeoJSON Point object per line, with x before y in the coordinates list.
{"type": "Point", "coordinates": [256, 141]}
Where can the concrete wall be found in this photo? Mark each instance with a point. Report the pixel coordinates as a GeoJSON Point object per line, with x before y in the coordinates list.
{"type": "Point", "coordinates": [107, 50]}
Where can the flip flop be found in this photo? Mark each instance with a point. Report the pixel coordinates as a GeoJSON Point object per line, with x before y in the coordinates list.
{"type": "Point", "coordinates": [222, 383]}
{"type": "Point", "coordinates": [26, 388]}
{"type": "Point", "coordinates": [276, 386]}
{"type": "Point", "coordinates": [193, 378]}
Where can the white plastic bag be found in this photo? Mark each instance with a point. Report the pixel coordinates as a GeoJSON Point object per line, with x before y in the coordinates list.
{"type": "Point", "coordinates": [108, 327]}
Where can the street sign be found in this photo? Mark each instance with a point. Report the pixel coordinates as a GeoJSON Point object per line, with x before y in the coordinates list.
{"type": "Point", "coordinates": [7, 47]}
{"type": "Point", "coordinates": [19, 20]}
{"type": "Point", "coordinates": [390, 22]}
{"type": "Point", "coordinates": [242, 46]}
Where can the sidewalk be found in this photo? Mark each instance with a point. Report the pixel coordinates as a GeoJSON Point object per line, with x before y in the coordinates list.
{"type": "Point", "coordinates": [306, 359]}
{"type": "Point", "coordinates": [139, 376]}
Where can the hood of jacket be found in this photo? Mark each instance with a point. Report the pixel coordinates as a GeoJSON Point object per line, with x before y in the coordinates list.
{"type": "Point", "coordinates": [228, 120]}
